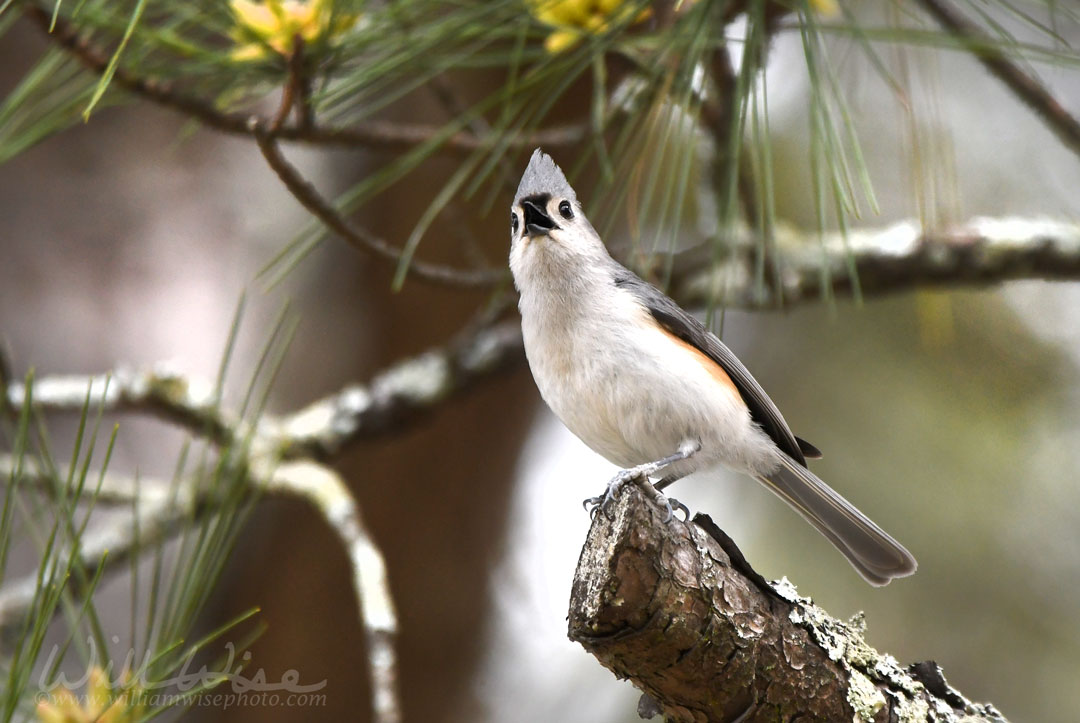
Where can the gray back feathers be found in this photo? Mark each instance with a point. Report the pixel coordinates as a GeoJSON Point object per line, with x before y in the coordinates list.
{"type": "Point", "coordinates": [543, 177]}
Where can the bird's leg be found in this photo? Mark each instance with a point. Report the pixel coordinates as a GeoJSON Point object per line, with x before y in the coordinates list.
{"type": "Point", "coordinates": [666, 481]}
{"type": "Point", "coordinates": [639, 475]}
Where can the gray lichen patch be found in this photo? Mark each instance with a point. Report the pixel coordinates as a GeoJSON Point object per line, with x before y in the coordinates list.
{"type": "Point", "coordinates": [600, 548]}
{"type": "Point", "coordinates": [422, 379]}
{"type": "Point", "coordinates": [872, 675]}
{"type": "Point", "coordinates": [863, 696]}
{"type": "Point", "coordinates": [914, 709]}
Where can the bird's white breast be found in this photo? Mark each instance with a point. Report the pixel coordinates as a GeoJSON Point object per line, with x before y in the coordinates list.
{"type": "Point", "coordinates": [631, 392]}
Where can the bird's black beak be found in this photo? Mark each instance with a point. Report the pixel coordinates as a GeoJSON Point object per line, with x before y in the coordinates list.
{"type": "Point", "coordinates": [537, 222]}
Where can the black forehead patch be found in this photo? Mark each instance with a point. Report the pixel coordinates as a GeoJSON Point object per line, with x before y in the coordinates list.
{"type": "Point", "coordinates": [540, 199]}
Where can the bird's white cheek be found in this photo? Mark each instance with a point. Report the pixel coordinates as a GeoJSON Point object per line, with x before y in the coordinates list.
{"type": "Point", "coordinates": [519, 253]}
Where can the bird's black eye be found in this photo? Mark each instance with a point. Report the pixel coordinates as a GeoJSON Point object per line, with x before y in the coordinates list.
{"type": "Point", "coordinates": [513, 223]}
{"type": "Point", "coordinates": [566, 210]}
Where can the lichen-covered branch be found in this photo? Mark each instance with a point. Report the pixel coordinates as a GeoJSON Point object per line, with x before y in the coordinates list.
{"type": "Point", "coordinates": [397, 396]}
{"type": "Point", "coordinates": [327, 492]}
{"type": "Point", "coordinates": [162, 391]}
{"type": "Point", "coordinates": [674, 608]}
{"type": "Point", "coordinates": [902, 257]}
{"type": "Point", "coordinates": [321, 430]}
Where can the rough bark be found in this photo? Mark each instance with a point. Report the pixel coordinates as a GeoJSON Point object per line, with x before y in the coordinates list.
{"type": "Point", "coordinates": [676, 609]}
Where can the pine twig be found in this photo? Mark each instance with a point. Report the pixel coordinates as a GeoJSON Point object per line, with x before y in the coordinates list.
{"type": "Point", "coordinates": [1025, 87]}
{"type": "Point", "coordinates": [292, 93]}
{"type": "Point", "coordinates": [386, 136]}
{"type": "Point", "coordinates": [310, 198]}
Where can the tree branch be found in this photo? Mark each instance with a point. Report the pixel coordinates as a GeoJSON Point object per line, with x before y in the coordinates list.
{"type": "Point", "coordinates": [395, 398]}
{"type": "Point", "coordinates": [676, 610]}
{"type": "Point", "coordinates": [386, 136]}
{"type": "Point", "coordinates": [902, 257]}
{"type": "Point", "coordinates": [162, 392]}
{"type": "Point", "coordinates": [1025, 87]}
{"type": "Point", "coordinates": [328, 493]}
{"type": "Point", "coordinates": [358, 236]}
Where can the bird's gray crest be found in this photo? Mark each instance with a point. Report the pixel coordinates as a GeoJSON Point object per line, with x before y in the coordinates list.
{"type": "Point", "coordinates": [543, 176]}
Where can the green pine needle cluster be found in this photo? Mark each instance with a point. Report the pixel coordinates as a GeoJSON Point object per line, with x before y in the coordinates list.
{"type": "Point", "coordinates": [209, 499]}
{"type": "Point", "coordinates": [649, 85]}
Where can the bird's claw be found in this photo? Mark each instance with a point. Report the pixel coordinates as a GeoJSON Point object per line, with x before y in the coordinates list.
{"type": "Point", "coordinates": [604, 501]}
{"type": "Point", "coordinates": [671, 504]}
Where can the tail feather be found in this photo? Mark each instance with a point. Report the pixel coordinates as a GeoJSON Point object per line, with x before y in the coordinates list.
{"type": "Point", "coordinates": [871, 551]}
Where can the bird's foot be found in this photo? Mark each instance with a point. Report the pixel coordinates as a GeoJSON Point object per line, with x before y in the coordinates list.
{"type": "Point", "coordinates": [637, 475]}
{"type": "Point", "coordinates": [603, 502]}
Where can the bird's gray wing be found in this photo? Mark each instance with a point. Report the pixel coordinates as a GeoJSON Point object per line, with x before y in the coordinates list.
{"type": "Point", "coordinates": [686, 327]}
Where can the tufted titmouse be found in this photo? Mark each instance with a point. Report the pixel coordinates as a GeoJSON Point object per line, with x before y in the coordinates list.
{"type": "Point", "coordinates": [646, 385]}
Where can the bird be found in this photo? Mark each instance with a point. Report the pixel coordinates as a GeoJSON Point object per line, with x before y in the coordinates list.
{"type": "Point", "coordinates": [647, 386]}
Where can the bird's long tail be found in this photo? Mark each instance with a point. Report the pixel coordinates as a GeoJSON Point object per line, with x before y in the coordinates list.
{"type": "Point", "coordinates": [873, 553]}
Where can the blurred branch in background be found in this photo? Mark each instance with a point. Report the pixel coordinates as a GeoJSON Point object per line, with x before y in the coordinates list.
{"type": "Point", "coordinates": [983, 252]}
{"type": "Point", "coordinates": [675, 608]}
{"type": "Point", "coordinates": [321, 431]}
{"type": "Point", "coordinates": [391, 137]}
{"type": "Point", "coordinates": [902, 257]}
{"type": "Point", "coordinates": [162, 392]}
{"type": "Point", "coordinates": [323, 488]}
{"type": "Point", "coordinates": [1026, 87]}
{"type": "Point", "coordinates": [161, 508]}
